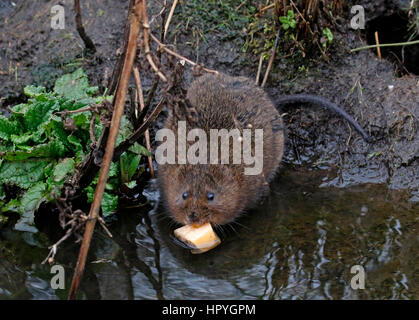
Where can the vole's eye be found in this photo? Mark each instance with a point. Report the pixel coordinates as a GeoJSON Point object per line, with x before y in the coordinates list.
{"type": "Point", "coordinates": [210, 196]}
{"type": "Point", "coordinates": [185, 195]}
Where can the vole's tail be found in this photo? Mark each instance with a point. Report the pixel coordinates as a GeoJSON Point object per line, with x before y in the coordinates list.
{"type": "Point", "coordinates": [311, 99]}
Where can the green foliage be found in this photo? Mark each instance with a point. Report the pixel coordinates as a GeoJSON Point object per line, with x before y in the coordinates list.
{"type": "Point", "coordinates": [329, 36]}
{"type": "Point", "coordinates": [38, 154]}
{"type": "Point", "coordinates": [62, 169]}
{"type": "Point", "coordinates": [288, 21]}
{"type": "Point", "coordinates": [75, 86]}
{"type": "Point", "coordinates": [214, 16]}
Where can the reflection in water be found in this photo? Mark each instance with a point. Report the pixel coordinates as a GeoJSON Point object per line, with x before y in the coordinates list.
{"type": "Point", "coordinates": [299, 244]}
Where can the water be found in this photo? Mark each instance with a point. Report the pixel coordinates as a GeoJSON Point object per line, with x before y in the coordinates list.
{"type": "Point", "coordinates": [301, 243]}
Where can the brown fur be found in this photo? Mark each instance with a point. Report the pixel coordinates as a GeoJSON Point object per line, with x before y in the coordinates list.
{"type": "Point", "coordinates": [217, 102]}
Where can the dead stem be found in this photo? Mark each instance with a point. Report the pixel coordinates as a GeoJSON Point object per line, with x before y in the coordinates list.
{"type": "Point", "coordinates": [240, 5]}
{"type": "Point", "coordinates": [146, 33]}
{"type": "Point", "coordinates": [309, 29]}
{"type": "Point", "coordinates": [91, 108]}
{"type": "Point", "coordinates": [271, 60]}
{"type": "Point", "coordinates": [80, 29]}
{"type": "Point", "coordinates": [177, 55]}
{"type": "Point", "coordinates": [137, 79]}
{"type": "Point", "coordinates": [92, 129]}
{"type": "Point", "coordinates": [259, 69]}
{"type": "Point", "coordinates": [172, 10]}
{"type": "Point", "coordinates": [377, 41]}
{"type": "Point", "coordinates": [119, 103]}
{"type": "Point", "coordinates": [123, 146]}
{"type": "Point", "coordinates": [266, 8]}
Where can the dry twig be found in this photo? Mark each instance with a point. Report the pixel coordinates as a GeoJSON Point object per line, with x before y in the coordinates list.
{"type": "Point", "coordinates": [146, 33]}
{"type": "Point", "coordinates": [172, 10]}
{"type": "Point", "coordinates": [79, 24]}
{"type": "Point", "coordinates": [271, 60]}
{"type": "Point", "coordinates": [177, 55]}
{"type": "Point", "coordinates": [259, 69]}
{"type": "Point", "coordinates": [378, 45]}
{"type": "Point", "coordinates": [141, 101]}
{"type": "Point", "coordinates": [119, 103]}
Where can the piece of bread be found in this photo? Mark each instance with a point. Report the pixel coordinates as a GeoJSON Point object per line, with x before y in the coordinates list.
{"type": "Point", "coordinates": [202, 238]}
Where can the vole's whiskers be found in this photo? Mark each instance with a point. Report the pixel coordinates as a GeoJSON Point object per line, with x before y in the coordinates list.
{"type": "Point", "coordinates": [240, 225]}
{"type": "Point", "coordinates": [219, 227]}
{"type": "Point", "coordinates": [232, 228]}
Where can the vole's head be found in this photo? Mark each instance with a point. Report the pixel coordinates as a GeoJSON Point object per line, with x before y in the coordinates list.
{"type": "Point", "coordinates": [197, 194]}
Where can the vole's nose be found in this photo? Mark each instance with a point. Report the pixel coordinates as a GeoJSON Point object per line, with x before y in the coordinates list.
{"type": "Point", "coordinates": [193, 217]}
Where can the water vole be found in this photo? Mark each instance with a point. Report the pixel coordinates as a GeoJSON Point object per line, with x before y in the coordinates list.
{"type": "Point", "coordinates": [219, 193]}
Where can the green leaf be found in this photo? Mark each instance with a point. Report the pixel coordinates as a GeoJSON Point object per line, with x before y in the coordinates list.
{"type": "Point", "coordinates": [29, 203]}
{"type": "Point", "coordinates": [6, 147]}
{"type": "Point", "coordinates": [74, 86]}
{"type": "Point", "coordinates": [125, 130]}
{"type": "Point", "coordinates": [113, 170]}
{"type": "Point", "coordinates": [34, 91]}
{"type": "Point", "coordinates": [82, 120]}
{"type": "Point", "coordinates": [12, 206]}
{"type": "Point", "coordinates": [290, 14]}
{"type": "Point", "coordinates": [100, 99]}
{"type": "Point", "coordinates": [283, 20]}
{"type": "Point", "coordinates": [328, 34]}
{"type": "Point", "coordinates": [21, 139]}
{"type": "Point", "coordinates": [38, 113]}
{"type": "Point", "coordinates": [19, 109]}
{"type": "Point", "coordinates": [62, 169]}
{"type": "Point", "coordinates": [33, 198]}
{"type": "Point", "coordinates": [36, 137]}
{"type": "Point", "coordinates": [90, 192]}
{"type": "Point", "coordinates": [131, 184]}
{"type": "Point", "coordinates": [48, 172]}
{"type": "Point", "coordinates": [129, 163]}
{"type": "Point", "coordinates": [75, 142]}
{"type": "Point", "coordinates": [8, 127]}
{"type": "Point", "coordinates": [22, 174]}
{"type": "Point", "coordinates": [139, 149]}
{"type": "Point", "coordinates": [53, 149]}
{"type": "Point", "coordinates": [374, 154]}
{"type": "Point", "coordinates": [2, 192]}
{"type": "Point", "coordinates": [109, 203]}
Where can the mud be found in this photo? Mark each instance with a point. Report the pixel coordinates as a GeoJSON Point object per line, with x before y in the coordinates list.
{"type": "Point", "coordinates": [366, 87]}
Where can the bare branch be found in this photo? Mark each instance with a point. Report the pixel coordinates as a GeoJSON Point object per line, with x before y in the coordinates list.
{"type": "Point", "coordinates": [80, 29]}
{"type": "Point", "coordinates": [177, 55]}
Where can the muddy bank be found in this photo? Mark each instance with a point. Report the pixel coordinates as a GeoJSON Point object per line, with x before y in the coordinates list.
{"type": "Point", "coordinates": [366, 87]}
{"type": "Point", "coordinates": [32, 52]}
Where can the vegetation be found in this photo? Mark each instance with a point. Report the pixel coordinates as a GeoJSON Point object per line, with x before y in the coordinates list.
{"type": "Point", "coordinates": [305, 27]}
{"type": "Point", "coordinates": [45, 139]}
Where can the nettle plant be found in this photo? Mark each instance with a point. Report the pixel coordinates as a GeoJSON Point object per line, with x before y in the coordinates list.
{"type": "Point", "coordinates": [39, 152]}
